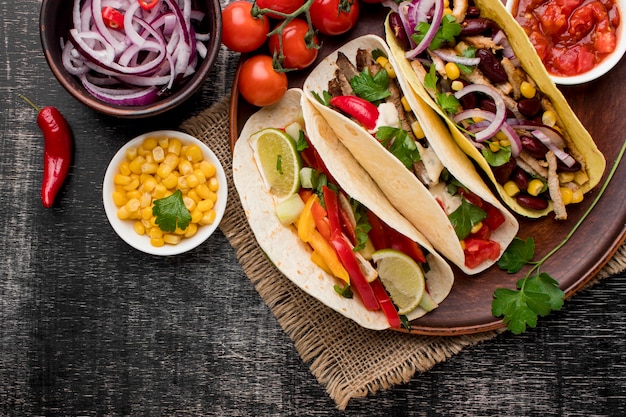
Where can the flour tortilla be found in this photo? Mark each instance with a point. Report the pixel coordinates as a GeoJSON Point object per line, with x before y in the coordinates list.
{"type": "Point", "coordinates": [403, 189]}
{"type": "Point", "coordinates": [282, 245]}
{"type": "Point", "coordinates": [574, 132]}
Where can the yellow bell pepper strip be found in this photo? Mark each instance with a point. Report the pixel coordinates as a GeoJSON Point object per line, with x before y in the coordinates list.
{"type": "Point", "coordinates": [348, 259]}
{"type": "Point", "coordinates": [385, 304]}
{"type": "Point", "coordinates": [327, 253]}
{"type": "Point", "coordinates": [306, 223]}
{"type": "Point", "coordinates": [319, 261]}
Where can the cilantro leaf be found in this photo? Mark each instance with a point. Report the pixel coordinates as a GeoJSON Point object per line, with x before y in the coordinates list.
{"type": "Point", "coordinates": [324, 98]}
{"type": "Point", "coordinates": [363, 225]}
{"type": "Point", "coordinates": [496, 159]}
{"type": "Point", "coordinates": [371, 88]}
{"type": "Point", "coordinates": [469, 52]}
{"type": "Point", "coordinates": [545, 284]}
{"type": "Point", "coordinates": [446, 32]}
{"type": "Point", "coordinates": [520, 308]}
{"type": "Point", "coordinates": [519, 253]}
{"type": "Point", "coordinates": [171, 212]}
{"type": "Point", "coordinates": [430, 79]}
{"type": "Point", "coordinates": [465, 217]}
{"type": "Point", "coordinates": [398, 142]}
{"type": "Point", "coordinates": [448, 102]}
{"type": "Point", "coordinates": [344, 291]}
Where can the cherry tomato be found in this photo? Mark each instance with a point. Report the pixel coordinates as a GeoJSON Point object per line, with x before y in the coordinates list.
{"type": "Point", "coordinates": [282, 6]}
{"type": "Point", "coordinates": [259, 83]}
{"type": "Point", "coordinates": [295, 50]}
{"type": "Point", "coordinates": [334, 17]}
{"type": "Point", "coordinates": [242, 32]}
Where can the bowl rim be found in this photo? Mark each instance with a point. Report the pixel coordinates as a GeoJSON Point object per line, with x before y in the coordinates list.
{"type": "Point", "coordinates": [124, 228]}
{"type": "Point", "coordinates": [192, 85]}
{"type": "Point", "coordinates": [605, 65]}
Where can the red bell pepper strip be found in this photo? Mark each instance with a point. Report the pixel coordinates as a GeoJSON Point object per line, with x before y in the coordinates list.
{"type": "Point", "coordinates": [357, 279]}
{"type": "Point", "coordinates": [400, 242]}
{"type": "Point", "coordinates": [346, 226]}
{"type": "Point", "coordinates": [58, 148]}
{"type": "Point", "coordinates": [377, 232]}
{"type": "Point", "coordinates": [362, 110]}
{"type": "Point", "coordinates": [148, 4]}
{"type": "Point", "coordinates": [386, 304]}
{"type": "Point", "coordinates": [332, 208]}
{"type": "Point", "coordinates": [113, 18]}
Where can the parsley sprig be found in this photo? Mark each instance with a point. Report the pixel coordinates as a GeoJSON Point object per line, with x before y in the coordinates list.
{"type": "Point", "coordinates": [171, 212]}
{"type": "Point", "coordinates": [537, 294]}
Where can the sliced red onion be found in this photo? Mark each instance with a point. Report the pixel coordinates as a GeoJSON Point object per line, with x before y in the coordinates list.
{"type": "Point", "coordinates": [123, 97]}
{"type": "Point", "coordinates": [500, 114]}
{"type": "Point", "coordinates": [566, 158]}
{"type": "Point", "coordinates": [432, 31]}
{"type": "Point", "coordinates": [451, 56]}
{"type": "Point", "coordinates": [403, 10]}
{"type": "Point", "coordinates": [555, 137]}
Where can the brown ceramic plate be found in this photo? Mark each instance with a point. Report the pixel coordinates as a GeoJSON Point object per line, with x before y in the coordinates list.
{"type": "Point", "coordinates": [468, 307]}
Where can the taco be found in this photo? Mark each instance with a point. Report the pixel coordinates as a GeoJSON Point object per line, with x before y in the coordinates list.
{"type": "Point", "coordinates": [431, 182]}
{"type": "Point", "coordinates": [478, 70]}
{"type": "Point", "coordinates": [347, 193]}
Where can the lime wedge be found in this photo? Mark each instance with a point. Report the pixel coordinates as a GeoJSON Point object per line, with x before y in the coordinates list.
{"type": "Point", "coordinates": [402, 277]}
{"type": "Point", "coordinates": [278, 160]}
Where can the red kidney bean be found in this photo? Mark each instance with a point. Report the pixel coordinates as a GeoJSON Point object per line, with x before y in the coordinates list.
{"type": "Point", "coordinates": [534, 147]}
{"type": "Point", "coordinates": [398, 30]}
{"type": "Point", "coordinates": [489, 105]}
{"type": "Point", "coordinates": [560, 166]}
{"type": "Point", "coordinates": [532, 202]}
{"type": "Point", "coordinates": [503, 172]}
{"type": "Point", "coordinates": [520, 178]}
{"type": "Point", "coordinates": [529, 107]}
{"type": "Point", "coordinates": [472, 12]}
{"type": "Point", "coordinates": [491, 67]}
{"type": "Point", "coordinates": [475, 26]}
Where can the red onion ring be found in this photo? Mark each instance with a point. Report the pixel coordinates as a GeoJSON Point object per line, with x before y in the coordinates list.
{"type": "Point", "coordinates": [500, 114]}
{"type": "Point", "coordinates": [451, 56]}
{"type": "Point", "coordinates": [432, 31]}
{"type": "Point", "coordinates": [566, 158]}
{"type": "Point", "coordinates": [505, 128]}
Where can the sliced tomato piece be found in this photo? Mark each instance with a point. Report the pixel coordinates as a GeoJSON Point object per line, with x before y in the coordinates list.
{"type": "Point", "coordinates": [478, 250]}
{"type": "Point", "coordinates": [494, 218]}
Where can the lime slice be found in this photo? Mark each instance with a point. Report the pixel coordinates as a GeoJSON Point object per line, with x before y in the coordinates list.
{"type": "Point", "coordinates": [402, 277]}
{"type": "Point", "coordinates": [278, 160]}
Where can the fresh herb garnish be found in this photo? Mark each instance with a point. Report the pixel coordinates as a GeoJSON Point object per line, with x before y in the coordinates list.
{"type": "Point", "coordinates": [537, 294]}
{"type": "Point", "coordinates": [469, 52]}
{"type": "Point", "coordinates": [446, 101]}
{"type": "Point", "coordinates": [499, 158]}
{"type": "Point", "coordinates": [372, 88]}
{"type": "Point", "coordinates": [344, 291]}
{"type": "Point", "coordinates": [324, 98]}
{"type": "Point", "coordinates": [465, 217]}
{"type": "Point", "coordinates": [301, 143]}
{"type": "Point", "coordinates": [398, 142]}
{"type": "Point", "coordinates": [446, 32]}
{"type": "Point", "coordinates": [171, 212]}
{"type": "Point", "coordinates": [363, 225]}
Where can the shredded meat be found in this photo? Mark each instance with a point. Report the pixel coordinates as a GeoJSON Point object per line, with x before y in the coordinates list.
{"type": "Point", "coordinates": [459, 10]}
{"type": "Point", "coordinates": [515, 75]}
{"type": "Point", "coordinates": [345, 66]}
{"type": "Point", "coordinates": [531, 165]}
{"type": "Point", "coordinates": [440, 66]}
{"type": "Point", "coordinates": [554, 188]}
{"type": "Point", "coordinates": [482, 42]}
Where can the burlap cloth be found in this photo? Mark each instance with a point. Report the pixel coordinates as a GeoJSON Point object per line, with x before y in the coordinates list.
{"type": "Point", "coordinates": [348, 360]}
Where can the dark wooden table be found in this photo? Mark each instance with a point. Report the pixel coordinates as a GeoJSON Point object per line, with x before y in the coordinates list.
{"type": "Point", "coordinates": [89, 326]}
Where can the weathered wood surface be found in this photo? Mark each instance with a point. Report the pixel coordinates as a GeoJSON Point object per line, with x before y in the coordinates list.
{"type": "Point", "coordinates": [88, 326]}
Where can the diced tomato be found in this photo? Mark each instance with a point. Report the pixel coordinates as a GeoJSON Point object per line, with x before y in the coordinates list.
{"type": "Point", "coordinates": [605, 42]}
{"type": "Point", "coordinates": [581, 23]}
{"type": "Point", "coordinates": [471, 197]}
{"type": "Point", "coordinates": [494, 218]}
{"type": "Point", "coordinates": [477, 251]}
{"type": "Point", "coordinates": [541, 44]}
{"type": "Point", "coordinates": [575, 60]}
{"type": "Point", "coordinates": [484, 233]}
{"type": "Point", "coordinates": [386, 304]}
{"type": "Point", "coordinates": [552, 19]}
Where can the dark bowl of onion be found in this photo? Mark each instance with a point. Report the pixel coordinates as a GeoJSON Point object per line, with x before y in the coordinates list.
{"type": "Point", "coordinates": [131, 58]}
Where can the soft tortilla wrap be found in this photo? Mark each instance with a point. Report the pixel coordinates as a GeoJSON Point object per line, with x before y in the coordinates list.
{"type": "Point", "coordinates": [574, 132]}
{"type": "Point", "coordinates": [282, 245]}
{"type": "Point", "coordinates": [403, 189]}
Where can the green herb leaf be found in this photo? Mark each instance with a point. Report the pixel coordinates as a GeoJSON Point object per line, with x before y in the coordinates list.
{"type": "Point", "coordinates": [469, 52]}
{"type": "Point", "coordinates": [465, 217]}
{"type": "Point", "coordinates": [520, 308]}
{"type": "Point", "coordinates": [363, 225]}
{"type": "Point", "coordinates": [496, 159]}
{"type": "Point", "coordinates": [398, 142]}
{"type": "Point", "coordinates": [171, 212]}
{"type": "Point", "coordinates": [446, 32]}
{"type": "Point", "coordinates": [371, 88]}
{"type": "Point", "coordinates": [344, 291]}
{"type": "Point", "coordinates": [430, 79]}
{"type": "Point", "coordinates": [517, 255]}
{"type": "Point", "coordinates": [545, 284]}
{"type": "Point", "coordinates": [324, 98]}
{"type": "Point", "coordinates": [448, 102]}
{"type": "Point", "coordinates": [302, 143]}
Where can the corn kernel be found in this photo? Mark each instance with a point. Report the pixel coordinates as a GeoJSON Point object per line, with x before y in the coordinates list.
{"type": "Point", "coordinates": [212, 196]}
{"type": "Point", "coordinates": [565, 177]}
{"type": "Point", "coordinates": [194, 153]}
{"type": "Point", "coordinates": [494, 146]}
{"type": "Point", "coordinates": [208, 217]}
{"type": "Point", "coordinates": [140, 229]}
{"type": "Point", "coordinates": [501, 136]}
{"type": "Point", "coordinates": [146, 200]}
{"type": "Point", "coordinates": [192, 180]}
{"type": "Point", "coordinates": [123, 213]}
{"type": "Point", "coordinates": [146, 213]}
{"type": "Point", "coordinates": [511, 189]}
{"type": "Point", "coordinates": [504, 143]}
{"type": "Point", "coordinates": [200, 175]}
{"type": "Point", "coordinates": [133, 194]}
{"type": "Point", "coordinates": [457, 85]}
{"type": "Point", "coordinates": [191, 230]}
{"type": "Point", "coordinates": [158, 154]}
{"type": "Point", "coordinates": [202, 191]}
{"type": "Point", "coordinates": [133, 205]}
{"type": "Point", "coordinates": [136, 163]}
{"type": "Point", "coordinates": [213, 184]}
{"type": "Point", "coordinates": [384, 62]}
{"type": "Point", "coordinates": [149, 168]}
{"type": "Point", "coordinates": [452, 71]}
{"type": "Point", "coordinates": [462, 242]}
{"type": "Point", "coordinates": [172, 239]}
{"type": "Point", "coordinates": [148, 183]}
{"type": "Point", "coordinates": [124, 168]}
{"type": "Point", "coordinates": [205, 205]}
{"type": "Point", "coordinates": [577, 196]}
{"type": "Point", "coordinates": [119, 198]}
{"type": "Point", "coordinates": [581, 177]}
{"type": "Point", "coordinates": [567, 195]}
{"type": "Point", "coordinates": [171, 181]}
{"type": "Point", "coordinates": [416, 127]}
{"type": "Point", "coordinates": [446, 3]}
{"type": "Point", "coordinates": [149, 143]}
{"type": "Point", "coordinates": [182, 184]}
{"type": "Point", "coordinates": [475, 228]}
{"type": "Point", "coordinates": [155, 232]}
{"type": "Point", "coordinates": [447, 11]}
{"type": "Point", "coordinates": [159, 191]}
{"type": "Point", "coordinates": [548, 118]}
{"type": "Point", "coordinates": [171, 160]}
{"type": "Point", "coordinates": [527, 89]}
{"type": "Point", "coordinates": [174, 146]}
{"type": "Point", "coordinates": [164, 170]}
{"type": "Point", "coordinates": [196, 216]}
{"type": "Point", "coordinates": [535, 186]}
{"type": "Point", "coordinates": [163, 141]}
{"type": "Point", "coordinates": [131, 153]}
{"type": "Point", "coordinates": [120, 179]}
{"type": "Point", "coordinates": [185, 167]}
{"type": "Point", "coordinates": [189, 203]}
{"type": "Point", "coordinates": [194, 195]}
{"type": "Point", "coordinates": [132, 185]}
{"type": "Point", "coordinates": [208, 169]}
{"type": "Point", "coordinates": [157, 242]}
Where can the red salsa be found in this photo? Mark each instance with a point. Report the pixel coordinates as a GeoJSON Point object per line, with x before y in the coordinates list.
{"type": "Point", "coordinates": [570, 36]}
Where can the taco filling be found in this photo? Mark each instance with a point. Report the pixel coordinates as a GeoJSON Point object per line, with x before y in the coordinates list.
{"type": "Point", "coordinates": [368, 92]}
{"type": "Point", "coordinates": [467, 65]}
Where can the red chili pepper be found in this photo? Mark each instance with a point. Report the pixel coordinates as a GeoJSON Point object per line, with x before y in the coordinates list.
{"type": "Point", "coordinates": [362, 110]}
{"type": "Point", "coordinates": [148, 4]}
{"type": "Point", "coordinates": [113, 18]}
{"type": "Point", "coordinates": [357, 279]}
{"type": "Point", "coordinates": [57, 150]}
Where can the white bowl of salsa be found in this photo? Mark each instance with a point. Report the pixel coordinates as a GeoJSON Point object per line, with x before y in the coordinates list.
{"type": "Point", "coordinates": [578, 41]}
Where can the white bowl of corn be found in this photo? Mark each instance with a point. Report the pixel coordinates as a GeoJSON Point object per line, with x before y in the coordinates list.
{"type": "Point", "coordinates": [164, 192]}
